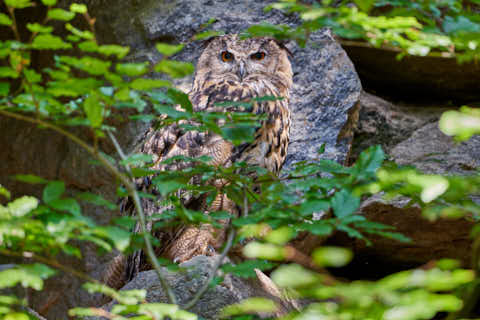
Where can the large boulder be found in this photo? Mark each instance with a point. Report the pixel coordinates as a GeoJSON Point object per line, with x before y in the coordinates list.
{"type": "Point", "coordinates": [326, 86]}
{"type": "Point", "coordinates": [410, 136]}
{"type": "Point", "coordinates": [192, 277]}
{"type": "Point", "coordinates": [325, 92]}
{"type": "Point", "coordinates": [388, 124]}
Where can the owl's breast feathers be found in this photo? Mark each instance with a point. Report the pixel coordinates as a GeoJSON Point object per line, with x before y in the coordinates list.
{"type": "Point", "coordinates": [269, 147]}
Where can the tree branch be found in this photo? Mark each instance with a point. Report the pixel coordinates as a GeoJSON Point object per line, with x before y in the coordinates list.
{"type": "Point", "coordinates": [218, 264]}
{"type": "Point", "coordinates": [138, 206]}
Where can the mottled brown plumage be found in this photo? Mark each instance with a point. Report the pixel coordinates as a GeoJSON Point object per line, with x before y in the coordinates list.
{"type": "Point", "coordinates": [229, 69]}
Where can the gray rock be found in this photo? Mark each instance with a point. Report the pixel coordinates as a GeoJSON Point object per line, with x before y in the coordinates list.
{"type": "Point", "coordinates": [410, 136]}
{"type": "Point", "coordinates": [387, 124]}
{"type": "Point", "coordinates": [326, 86]}
{"type": "Point", "coordinates": [431, 240]}
{"type": "Point", "coordinates": [188, 281]}
{"type": "Point", "coordinates": [431, 151]}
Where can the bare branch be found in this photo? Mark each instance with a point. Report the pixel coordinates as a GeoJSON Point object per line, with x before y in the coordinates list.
{"type": "Point", "coordinates": [138, 206]}
{"type": "Point", "coordinates": [218, 264]}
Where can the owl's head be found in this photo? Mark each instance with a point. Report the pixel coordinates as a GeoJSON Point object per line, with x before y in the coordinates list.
{"type": "Point", "coordinates": [230, 58]}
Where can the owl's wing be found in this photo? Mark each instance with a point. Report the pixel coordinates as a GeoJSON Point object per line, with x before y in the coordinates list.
{"type": "Point", "coordinates": [171, 141]}
{"type": "Point", "coordinates": [161, 144]}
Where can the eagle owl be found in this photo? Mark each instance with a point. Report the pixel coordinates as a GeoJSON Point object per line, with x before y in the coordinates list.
{"type": "Point", "coordinates": [229, 69]}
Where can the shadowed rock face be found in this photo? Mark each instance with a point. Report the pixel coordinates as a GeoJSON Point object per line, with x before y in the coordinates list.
{"type": "Point", "coordinates": [410, 136]}
{"type": "Point", "coordinates": [326, 88]}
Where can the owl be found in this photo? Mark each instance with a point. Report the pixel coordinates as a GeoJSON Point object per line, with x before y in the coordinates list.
{"type": "Point", "coordinates": [229, 69]}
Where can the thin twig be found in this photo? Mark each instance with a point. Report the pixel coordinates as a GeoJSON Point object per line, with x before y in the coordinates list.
{"type": "Point", "coordinates": [218, 263]}
{"type": "Point", "coordinates": [14, 27]}
{"type": "Point", "coordinates": [245, 202]}
{"type": "Point", "coordinates": [138, 206]}
{"type": "Point", "coordinates": [34, 313]}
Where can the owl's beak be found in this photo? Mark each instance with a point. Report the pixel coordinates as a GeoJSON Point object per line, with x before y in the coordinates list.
{"type": "Point", "coordinates": [241, 71]}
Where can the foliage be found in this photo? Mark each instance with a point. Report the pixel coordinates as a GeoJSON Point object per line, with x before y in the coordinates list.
{"type": "Point", "coordinates": [90, 87]}
{"type": "Point", "coordinates": [448, 28]}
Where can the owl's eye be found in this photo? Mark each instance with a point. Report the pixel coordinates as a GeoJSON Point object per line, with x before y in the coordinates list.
{"type": "Point", "coordinates": [258, 55]}
{"type": "Point", "coordinates": [227, 56]}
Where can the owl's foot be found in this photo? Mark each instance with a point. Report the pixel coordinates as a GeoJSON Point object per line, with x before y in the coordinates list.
{"type": "Point", "coordinates": [193, 241]}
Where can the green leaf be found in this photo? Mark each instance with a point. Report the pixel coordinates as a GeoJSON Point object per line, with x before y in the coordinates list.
{"type": "Point", "coordinates": [93, 109]}
{"type": "Point", "coordinates": [30, 178]}
{"type": "Point", "coordinates": [462, 125]}
{"type": "Point", "coordinates": [32, 76]}
{"type": "Point", "coordinates": [77, 33]}
{"type": "Point", "coordinates": [168, 49]}
{"type": "Point", "coordinates": [60, 14]}
{"type": "Point", "coordinates": [18, 3]}
{"type": "Point", "coordinates": [332, 256]}
{"type": "Point", "coordinates": [165, 311]}
{"type": "Point", "coordinates": [16, 316]}
{"type": "Point", "coordinates": [175, 69]}
{"type": "Point", "coordinates": [246, 269]}
{"type": "Point", "coordinates": [53, 191]}
{"type": "Point", "coordinates": [78, 8]}
{"type": "Point", "coordinates": [148, 84]}
{"type": "Point", "coordinates": [132, 69]}
{"type": "Point", "coordinates": [5, 20]}
{"type": "Point", "coordinates": [313, 206]}
{"type": "Point", "coordinates": [51, 42]}
{"type": "Point", "coordinates": [264, 251]}
{"type": "Point", "coordinates": [313, 14]}
{"type": "Point", "coordinates": [36, 27]}
{"type": "Point", "coordinates": [88, 64]}
{"type": "Point", "coordinates": [113, 49]}
{"type": "Point", "coordinates": [7, 72]}
{"type": "Point", "coordinates": [96, 199]}
{"type": "Point", "coordinates": [319, 228]}
{"type": "Point", "coordinates": [181, 98]}
{"type": "Point", "coordinates": [67, 204]}
{"type": "Point", "coordinates": [370, 160]}
{"type": "Point", "coordinates": [119, 237]}
{"type": "Point", "coordinates": [4, 89]}
{"type": "Point", "coordinates": [4, 192]}
{"type": "Point", "coordinates": [249, 305]}
{"type": "Point", "coordinates": [364, 5]}
{"type": "Point", "coordinates": [238, 133]}
{"type": "Point", "coordinates": [168, 185]}
{"type": "Point", "coordinates": [344, 203]}
{"type": "Point", "coordinates": [280, 235]}
{"type": "Point", "coordinates": [21, 206]}
{"type": "Point", "coordinates": [137, 158]}
{"type": "Point", "coordinates": [27, 275]}
{"type": "Point", "coordinates": [294, 276]}
{"type": "Point", "coordinates": [49, 2]}
{"type": "Point", "coordinates": [208, 34]}
{"type": "Point", "coordinates": [460, 24]}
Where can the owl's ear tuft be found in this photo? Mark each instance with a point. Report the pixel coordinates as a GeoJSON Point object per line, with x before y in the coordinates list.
{"type": "Point", "coordinates": [204, 43]}
{"type": "Point", "coordinates": [282, 45]}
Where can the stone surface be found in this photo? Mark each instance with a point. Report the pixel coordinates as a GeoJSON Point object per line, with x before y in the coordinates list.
{"type": "Point", "coordinates": [187, 282]}
{"type": "Point", "coordinates": [326, 89]}
{"type": "Point", "coordinates": [444, 238]}
{"type": "Point", "coordinates": [326, 86]}
{"type": "Point", "coordinates": [410, 136]}
{"type": "Point", "coordinates": [388, 124]}
{"type": "Point", "coordinates": [431, 151]}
